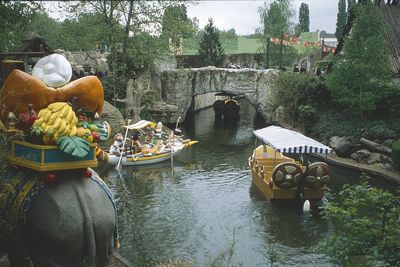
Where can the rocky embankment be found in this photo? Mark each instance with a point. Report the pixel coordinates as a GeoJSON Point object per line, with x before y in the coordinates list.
{"type": "Point", "coordinates": [365, 155]}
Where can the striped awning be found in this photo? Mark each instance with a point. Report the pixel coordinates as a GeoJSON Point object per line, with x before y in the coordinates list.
{"type": "Point", "coordinates": [287, 141]}
{"type": "Point", "coordinates": [140, 124]}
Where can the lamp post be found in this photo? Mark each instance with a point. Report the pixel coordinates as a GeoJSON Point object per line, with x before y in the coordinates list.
{"type": "Point", "coordinates": [281, 52]}
{"type": "Point", "coordinates": [268, 41]}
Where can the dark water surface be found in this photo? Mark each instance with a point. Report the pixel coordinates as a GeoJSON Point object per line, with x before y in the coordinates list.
{"type": "Point", "coordinates": [206, 210]}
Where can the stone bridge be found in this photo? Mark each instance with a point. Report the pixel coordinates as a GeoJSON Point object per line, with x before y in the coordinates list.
{"type": "Point", "coordinates": [180, 86]}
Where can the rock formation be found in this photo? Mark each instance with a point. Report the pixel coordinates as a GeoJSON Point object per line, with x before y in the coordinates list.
{"type": "Point", "coordinates": [114, 117]}
{"type": "Point", "coordinates": [179, 86]}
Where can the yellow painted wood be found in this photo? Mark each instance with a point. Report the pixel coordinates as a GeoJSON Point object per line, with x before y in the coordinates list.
{"type": "Point", "coordinates": [42, 166]}
{"type": "Point", "coordinates": [266, 161]}
{"type": "Point", "coordinates": [52, 166]}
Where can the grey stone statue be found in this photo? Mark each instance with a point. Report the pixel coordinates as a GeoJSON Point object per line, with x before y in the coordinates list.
{"type": "Point", "coordinates": [70, 222]}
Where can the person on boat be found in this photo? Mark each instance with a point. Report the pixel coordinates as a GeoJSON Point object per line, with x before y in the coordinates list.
{"type": "Point", "coordinates": [118, 146]}
{"type": "Point", "coordinates": [148, 134]}
{"type": "Point", "coordinates": [158, 137]}
{"type": "Point", "coordinates": [136, 146]}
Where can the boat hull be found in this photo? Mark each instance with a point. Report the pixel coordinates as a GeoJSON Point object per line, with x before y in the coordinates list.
{"type": "Point", "coordinates": [275, 192]}
{"type": "Point", "coordinates": [266, 160]}
{"type": "Point", "coordinates": [149, 159]}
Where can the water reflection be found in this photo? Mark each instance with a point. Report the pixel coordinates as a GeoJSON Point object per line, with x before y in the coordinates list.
{"type": "Point", "coordinates": [206, 206]}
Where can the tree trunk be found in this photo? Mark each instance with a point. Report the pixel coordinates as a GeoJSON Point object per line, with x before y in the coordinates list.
{"type": "Point", "coordinates": [130, 100]}
{"type": "Point", "coordinates": [376, 147]}
{"type": "Point", "coordinates": [125, 40]}
{"type": "Point", "coordinates": [135, 90]}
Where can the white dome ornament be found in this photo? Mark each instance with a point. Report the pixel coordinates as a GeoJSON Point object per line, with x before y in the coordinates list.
{"type": "Point", "coordinates": [54, 70]}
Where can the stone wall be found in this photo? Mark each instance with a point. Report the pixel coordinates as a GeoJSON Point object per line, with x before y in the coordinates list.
{"type": "Point", "coordinates": [204, 101]}
{"type": "Point", "coordinates": [179, 86]}
{"type": "Point", "coordinates": [78, 59]}
{"type": "Point", "coordinates": [243, 60]}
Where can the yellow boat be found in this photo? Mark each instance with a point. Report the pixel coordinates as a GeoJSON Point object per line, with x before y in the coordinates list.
{"type": "Point", "coordinates": [278, 176]}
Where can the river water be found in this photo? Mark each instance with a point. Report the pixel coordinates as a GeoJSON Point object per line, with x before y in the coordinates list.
{"type": "Point", "coordinates": [205, 209]}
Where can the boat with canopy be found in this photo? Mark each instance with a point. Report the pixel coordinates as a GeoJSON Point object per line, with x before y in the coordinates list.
{"type": "Point", "coordinates": [151, 153]}
{"type": "Point", "coordinates": [278, 176]}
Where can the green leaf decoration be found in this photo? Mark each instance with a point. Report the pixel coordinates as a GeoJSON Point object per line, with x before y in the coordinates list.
{"type": "Point", "coordinates": [74, 146]}
{"type": "Point", "coordinates": [83, 124]}
{"type": "Point", "coordinates": [36, 130]}
{"type": "Point", "coordinates": [93, 127]}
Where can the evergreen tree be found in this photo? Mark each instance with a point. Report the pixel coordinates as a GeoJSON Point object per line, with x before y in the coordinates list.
{"type": "Point", "coordinates": [210, 49]}
{"type": "Point", "coordinates": [341, 19]}
{"type": "Point", "coordinates": [350, 5]}
{"type": "Point", "coordinates": [359, 77]}
{"type": "Point", "coordinates": [304, 18]}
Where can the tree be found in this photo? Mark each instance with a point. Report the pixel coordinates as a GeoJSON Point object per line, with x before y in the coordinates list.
{"type": "Point", "coordinates": [350, 5]}
{"type": "Point", "coordinates": [366, 220]}
{"type": "Point", "coordinates": [304, 18]}
{"type": "Point", "coordinates": [14, 21]}
{"type": "Point", "coordinates": [275, 18]}
{"type": "Point", "coordinates": [341, 19]}
{"type": "Point", "coordinates": [359, 77]}
{"type": "Point", "coordinates": [47, 28]}
{"type": "Point", "coordinates": [210, 49]}
{"type": "Point", "coordinates": [83, 32]}
{"type": "Point", "coordinates": [229, 34]}
{"type": "Point", "coordinates": [176, 24]}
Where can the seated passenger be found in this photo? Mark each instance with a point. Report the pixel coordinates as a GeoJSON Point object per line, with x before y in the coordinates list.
{"type": "Point", "coordinates": [117, 147]}
{"type": "Point", "coordinates": [136, 146]}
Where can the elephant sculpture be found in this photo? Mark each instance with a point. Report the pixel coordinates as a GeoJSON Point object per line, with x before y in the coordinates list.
{"type": "Point", "coordinates": [69, 222]}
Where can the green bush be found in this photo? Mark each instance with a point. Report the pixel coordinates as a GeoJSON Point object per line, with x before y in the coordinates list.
{"type": "Point", "coordinates": [378, 131]}
{"type": "Point", "coordinates": [366, 227]}
{"type": "Point", "coordinates": [330, 122]}
{"type": "Point", "coordinates": [396, 153]}
{"type": "Point", "coordinates": [307, 113]}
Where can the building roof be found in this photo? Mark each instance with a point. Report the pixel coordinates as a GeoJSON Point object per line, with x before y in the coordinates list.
{"type": "Point", "coordinates": [36, 44]}
{"type": "Point", "coordinates": [309, 36]}
{"type": "Point", "coordinates": [240, 45]}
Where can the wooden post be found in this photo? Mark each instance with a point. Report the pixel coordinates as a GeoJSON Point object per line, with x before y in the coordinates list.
{"type": "Point", "coordinates": [281, 52]}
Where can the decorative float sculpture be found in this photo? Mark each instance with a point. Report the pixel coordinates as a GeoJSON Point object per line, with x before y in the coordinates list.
{"type": "Point", "coordinates": [60, 211]}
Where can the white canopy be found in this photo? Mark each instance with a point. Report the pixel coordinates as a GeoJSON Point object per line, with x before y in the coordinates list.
{"type": "Point", "coordinates": [287, 141]}
{"type": "Point", "coordinates": [140, 124]}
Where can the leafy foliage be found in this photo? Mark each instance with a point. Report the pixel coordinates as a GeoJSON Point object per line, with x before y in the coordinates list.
{"type": "Point", "coordinates": [330, 122]}
{"type": "Point", "coordinates": [275, 17]}
{"type": "Point", "coordinates": [176, 24]}
{"type": "Point", "coordinates": [294, 90]}
{"type": "Point", "coordinates": [210, 50]}
{"type": "Point", "coordinates": [14, 21]}
{"type": "Point", "coordinates": [396, 153]}
{"type": "Point", "coordinates": [304, 18]}
{"type": "Point", "coordinates": [229, 34]}
{"type": "Point", "coordinates": [74, 146]}
{"type": "Point", "coordinates": [360, 75]}
{"type": "Point", "coordinates": [366, 223]}
{"type": "Point", "coordinates": [341, 19]}
{"type": "Point", "coordinates": [350, 5]}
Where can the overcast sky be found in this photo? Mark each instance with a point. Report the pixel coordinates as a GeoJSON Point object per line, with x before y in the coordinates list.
{"type": "Point", "coordinates": [242, 15]}
{"type": "Point", "coordinates": [244, 18]}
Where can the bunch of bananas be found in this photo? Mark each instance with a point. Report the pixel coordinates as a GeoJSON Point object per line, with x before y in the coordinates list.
{"type": "Point", "coordinates": [58, 119]}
